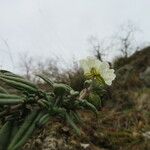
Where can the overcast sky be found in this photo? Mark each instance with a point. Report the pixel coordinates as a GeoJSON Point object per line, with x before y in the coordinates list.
{"type": "Point", "coordinates": [50, 27]}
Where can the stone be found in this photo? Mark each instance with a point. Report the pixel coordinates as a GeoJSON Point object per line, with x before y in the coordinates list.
{"type": "Point", "coordinates": [145, 76]}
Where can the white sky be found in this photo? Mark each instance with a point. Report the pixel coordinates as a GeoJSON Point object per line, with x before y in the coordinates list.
{"type": "Point", "coordinates": [61, 27]}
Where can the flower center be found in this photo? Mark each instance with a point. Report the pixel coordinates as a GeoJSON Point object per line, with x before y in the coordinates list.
{"type": "Point", "coordinates": [94, 72]}
{"type": "Point", "coordinates": [95, 75]}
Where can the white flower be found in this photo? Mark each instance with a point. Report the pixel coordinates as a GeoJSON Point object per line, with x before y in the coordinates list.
{"type": "Point", "coordinates": [93, 68]}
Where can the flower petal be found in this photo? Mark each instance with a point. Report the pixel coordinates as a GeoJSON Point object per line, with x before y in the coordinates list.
{"type": "Point", "coordinates": [101, 68]}
{"type": "Point", "coordinates": [84, 66]}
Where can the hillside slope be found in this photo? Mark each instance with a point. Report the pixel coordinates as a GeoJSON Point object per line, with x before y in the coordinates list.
{"type": "Point", "coordinates": [131, 87]}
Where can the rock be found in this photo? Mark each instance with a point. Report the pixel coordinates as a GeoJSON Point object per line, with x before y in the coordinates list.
{"type": "Point", "coordinates": [65, 129]}
{"type": "Point", "coordinates": [84, 145]}
{"type": "Point", "coordinates": [145, 76]}
{"type": "Point", "coordinates": [38, 141]}
{"type": "Point", "coordinates": [49, 143]}
{"type": "Point", "coordinates": [142, 100]}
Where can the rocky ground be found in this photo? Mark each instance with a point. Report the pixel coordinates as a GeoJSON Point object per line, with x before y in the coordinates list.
{"type": "Point", "coordinates": [112, 130]}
